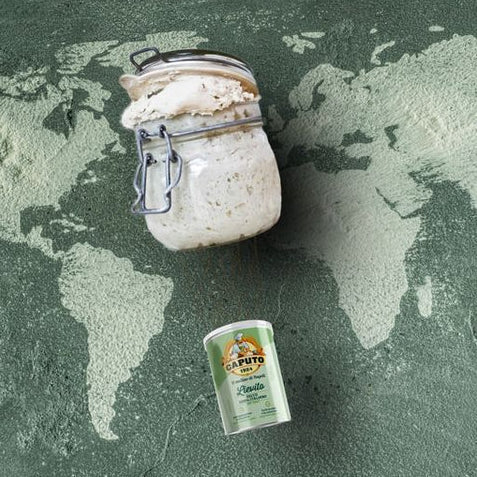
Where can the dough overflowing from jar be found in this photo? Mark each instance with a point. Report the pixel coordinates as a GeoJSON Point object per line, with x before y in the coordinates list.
{"type": "Point", "coordinates": [189, 93]}
{"type": "Point", "coordinates": [229, 188]}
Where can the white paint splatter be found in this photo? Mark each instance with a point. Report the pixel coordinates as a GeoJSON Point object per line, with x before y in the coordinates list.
{"type": "Point", "coordinates": [122, 310]}
{"type": "Point", "coordinates": [38, 166]}
{"type": "Point", "coordinates": [72, 226]}
{"type": "Point", "coordinates": [424, 298]}
{"type": "Point", "coordinates": [91, 179]}
{"type": "Point", "coordinates": [275, 121]}
{"type": "Point", "coordinates": [420, 113]}
{"type": "Point", "coordinates": [313, 34]}
{"type": "Point", "coordinates": [34, 239]}
{"type": "Point", "coordinates": [436, 28]}
{"type": "Point", "coordinates": [378, 50]}
{"type": "Point", "coordinates": [299, 45]}
{"type": "Point", "coordinates": [74, 58]}
{"type": "Point", "coordinates": [341, 219]}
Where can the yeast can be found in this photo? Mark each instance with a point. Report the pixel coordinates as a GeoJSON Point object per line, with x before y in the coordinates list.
{"type": "Point", "coordinates": [247, 377]}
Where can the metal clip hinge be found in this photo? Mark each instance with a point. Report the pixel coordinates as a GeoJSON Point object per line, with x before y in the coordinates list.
{"type": "Point", "coordinates": [172, 157]}
{"type": "Point", "coordinates": [140, 177]}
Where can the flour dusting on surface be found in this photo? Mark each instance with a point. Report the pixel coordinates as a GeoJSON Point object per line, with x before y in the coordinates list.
{"type": "Point", "coordinates": [424, 298]}
{"type": "Point", "coordinates": [38, 166]}
{"type": "Point", "coordinates": [420, 113]}
{"type": "Point", "coordinates": [73, 58]}
{"type": "Point", "coordinates": [122, 309]}
{"type": "Point", "coordinates": [35, 240]}
{"type": "Point", "coordinates": [313, 34]}
{"type": "Point", "coordinates": [341, 219]}
{"type": "Point", "coordinates": [378, 50]}
{"type": "Point", "coordinates": [299, 45]}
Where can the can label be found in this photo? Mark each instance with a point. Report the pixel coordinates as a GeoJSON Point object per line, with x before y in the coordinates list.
{"type": "Point", "coordinates": [247, 379]}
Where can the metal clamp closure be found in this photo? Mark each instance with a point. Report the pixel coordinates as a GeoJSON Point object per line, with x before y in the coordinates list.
{"type": "Point", "coordinates": [172, 157]}
{"type": "Point", "coordinates": [133, 55]}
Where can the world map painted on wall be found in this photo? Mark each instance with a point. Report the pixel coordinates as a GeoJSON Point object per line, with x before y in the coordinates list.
{"type": "Point", "coordinates": [394, 126]}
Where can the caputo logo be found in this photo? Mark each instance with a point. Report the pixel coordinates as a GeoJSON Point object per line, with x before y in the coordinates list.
{"type": "Point", "coordinates": [243, 355]}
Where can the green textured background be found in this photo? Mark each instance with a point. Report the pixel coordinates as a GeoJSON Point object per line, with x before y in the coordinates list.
{"type": "Point", "coordinates": [351, 416]}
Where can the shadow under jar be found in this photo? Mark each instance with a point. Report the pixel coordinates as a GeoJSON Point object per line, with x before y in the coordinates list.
{"type": "Point", "coordinates": [207, 174]}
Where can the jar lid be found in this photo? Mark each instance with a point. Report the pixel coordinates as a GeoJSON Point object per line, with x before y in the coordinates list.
{"type": "Point", "coordinates": [238, 325]}
{"type": "Point", "coordinates": [160, 60]}
{"type": "Point", "coordinates": [162, 66]}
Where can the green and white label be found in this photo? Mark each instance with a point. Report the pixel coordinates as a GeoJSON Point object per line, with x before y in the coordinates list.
{"type": "Point", "coordinates": [247, 379]}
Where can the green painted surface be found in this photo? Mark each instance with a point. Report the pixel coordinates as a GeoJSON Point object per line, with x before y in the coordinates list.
{"type": "Point", "coordinates": [369, 279]}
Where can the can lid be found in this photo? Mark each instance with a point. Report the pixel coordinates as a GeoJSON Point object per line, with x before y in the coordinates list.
{"type": "Point", "coordinates": [238, 325]}
{"type": "Point", "coordinates": [159, 60]}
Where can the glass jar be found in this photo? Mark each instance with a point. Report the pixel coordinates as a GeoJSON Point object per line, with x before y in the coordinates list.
{"type": "Point", "coordinates": [207, 174]}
